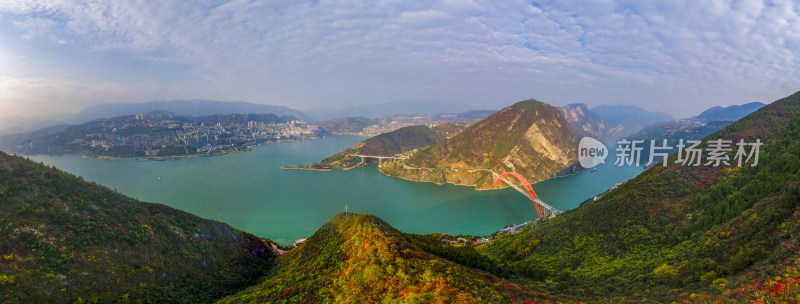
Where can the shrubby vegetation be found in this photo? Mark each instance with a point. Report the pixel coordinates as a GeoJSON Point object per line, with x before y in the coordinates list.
{"type": "Point", "coordinates": [680, 230]}
{"type": "Point", "coordinates": [66, 240]}
{"type": "Point", "coordinates": [468, 256]}
{"type": "Point", "coordinates": [672, 234]}
{"type": "Point", "coordinates": [531, 138]}
{"type": "Point", "coordinates": [361, 259]}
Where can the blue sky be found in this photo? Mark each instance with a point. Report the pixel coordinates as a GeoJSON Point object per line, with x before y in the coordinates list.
{"type": "Point", "coordinates": [674, 56]}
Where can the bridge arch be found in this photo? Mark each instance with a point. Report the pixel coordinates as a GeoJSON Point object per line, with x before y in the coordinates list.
{"type": "Point", "coordinates": [540, 210]}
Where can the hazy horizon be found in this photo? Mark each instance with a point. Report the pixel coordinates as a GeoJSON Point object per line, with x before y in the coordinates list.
{"type": "Point", "coordinates": [334, 110]}
{"type": "Point", "coordinates": [678, 57]}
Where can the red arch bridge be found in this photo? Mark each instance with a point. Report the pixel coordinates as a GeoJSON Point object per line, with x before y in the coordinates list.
{"type": "Point", "coordinates": [542, 209]}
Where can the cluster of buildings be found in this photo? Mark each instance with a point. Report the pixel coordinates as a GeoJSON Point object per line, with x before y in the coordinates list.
{"type": "Point", "coordinates": [390, 123]}
{"type": "Point", "coordinates": [165, 134]}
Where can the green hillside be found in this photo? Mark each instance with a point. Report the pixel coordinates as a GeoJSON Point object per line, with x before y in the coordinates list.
{"type": "Point", "coordinates": [361, 259]}
{"type": "Point", "coordinates": [66, 240]}
{"type": "Point", "coordinates": [673, 234]}
{"type": "Point", "coordinates": [674, 231]}
{"type": "Point", "coordinates": [408, 138]}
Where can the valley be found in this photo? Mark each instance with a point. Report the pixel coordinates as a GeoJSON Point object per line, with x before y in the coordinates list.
{"type": "Point", "coordinates": [537, 152]}
{"type": "Point", "coordinates": [661, 232]}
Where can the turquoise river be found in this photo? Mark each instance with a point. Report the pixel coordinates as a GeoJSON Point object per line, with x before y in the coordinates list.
{"type": "Point", "coordinates": [250, 191]}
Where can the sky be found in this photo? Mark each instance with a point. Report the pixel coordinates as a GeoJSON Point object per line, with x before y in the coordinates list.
{"type": "Point", "coordinates": [680, 57]}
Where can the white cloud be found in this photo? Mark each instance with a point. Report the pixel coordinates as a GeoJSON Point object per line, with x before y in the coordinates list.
{"type": "Point", "coordinates": [651, 53]}
{"type": "Point", "coordinates": [37, 27]}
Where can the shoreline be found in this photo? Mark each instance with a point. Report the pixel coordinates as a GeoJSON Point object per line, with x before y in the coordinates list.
{"type": "Point", "coordinates": [474, 188]}
{"type": "Point", "coordinates": [319, 169]}
{"type": "Point", "coordinates": [166, 157]}
{"type": "Point", "coordinates": [308, 169]}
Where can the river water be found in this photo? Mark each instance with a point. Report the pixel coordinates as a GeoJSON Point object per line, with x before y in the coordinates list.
{"type": "Point", "coordinates": [249, 191]}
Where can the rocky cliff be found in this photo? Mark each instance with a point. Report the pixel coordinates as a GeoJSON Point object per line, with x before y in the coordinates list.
{"type": "Point", "coordinates": [530, 137]}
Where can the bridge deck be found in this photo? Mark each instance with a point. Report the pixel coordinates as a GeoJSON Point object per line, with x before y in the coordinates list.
{"type": "Point", "coordinates": [378, 157]}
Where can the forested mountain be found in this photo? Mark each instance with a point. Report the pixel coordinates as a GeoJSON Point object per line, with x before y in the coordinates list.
{"type": "Point", "coordinates": [727, 234]}
{"type": "Point", "coordinates": [731, 232]}
{"type": "Point", "coordinates": [357, 258]}
{"type": "Point", "coordinates": [64, 240]}
{"type": "Point", "coordinates": [530, 137]}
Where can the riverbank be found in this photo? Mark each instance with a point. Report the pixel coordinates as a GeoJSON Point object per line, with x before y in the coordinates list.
{"type": "Point", "coordinates": [301, 168]}
{"type": "Point", "coordinates": [322, 169]}
{"type": "Point", "coordinates": [162, 157]}
{"type": "Point", "coordinates": [178, 156]}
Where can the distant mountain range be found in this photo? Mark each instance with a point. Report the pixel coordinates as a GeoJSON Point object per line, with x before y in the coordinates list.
{"type": "Point", "coordinates": [624, 120]}
{"type": "Point", "coordinates": [380, 110]}
{"type": "Point", "coordinates": [194, 107]}
{"type": "Point", "coordinates": [587, 123]}
{"type": "Point", "coordinates": [131, 136]}
{"type": "Point", "coordinates": [694, 128]}
{"type": "Point", "coordinates": [678, 234]}
{"type": "Point", "coordinates": [734, 112]}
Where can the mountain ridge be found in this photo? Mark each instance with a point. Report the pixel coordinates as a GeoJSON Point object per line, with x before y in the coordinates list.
{"type": "Point", "coordinates": [65, 240]}
{"type": "Point", "coordinates": [192, 107]}
{"type": "Point", "coordinates": [360, 258]}
{"type": "Point", "coordinates": [529, 137]}
{"type": "Point", "coordinates": [732, 112]}
{"type": "Point", "coordinates": [711, 230]}
{"type": "Point", "coordinates": [694, 128]}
